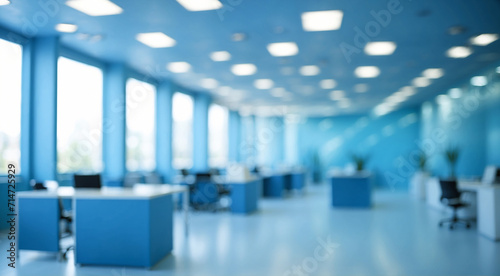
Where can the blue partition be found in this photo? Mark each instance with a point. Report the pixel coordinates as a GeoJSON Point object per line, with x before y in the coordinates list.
{"type": "Point", "coordinates": [245, 196]}
{"type": "Point", "coordinates": [351, 191]}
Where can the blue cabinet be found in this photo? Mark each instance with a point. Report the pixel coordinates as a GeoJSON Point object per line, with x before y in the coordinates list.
{"type": "Point", "coordinates": [351, 191]}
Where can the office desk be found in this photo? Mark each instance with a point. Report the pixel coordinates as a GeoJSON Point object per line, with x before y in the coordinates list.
{"type": "Point", "coordinates": [483, 200]}
{"type": "Point", "coordinates": [295, 180]}
{"type": "Point", "coordinates": [488, 207]}
{"type": "Point", "coordinates": [112, 226]}
{"type": "Point", "coordinates": [244, 194]}
{"type": "Point", "coordinates": [351, 190]}
{"type": "Point", "coordinates": [273, 185]}
{"type": "Point", "coordinates": [433, 196]}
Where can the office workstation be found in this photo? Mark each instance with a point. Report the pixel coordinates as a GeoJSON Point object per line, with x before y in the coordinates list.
{"type": "Point", "coordinates": [213, 137]}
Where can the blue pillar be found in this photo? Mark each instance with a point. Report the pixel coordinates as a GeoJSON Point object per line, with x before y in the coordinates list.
{"type": "Point", "coordinates": [114, 108]}
{"type": "Point", "coordinates": [164, 130]}
{"type": "Point", "coordinates": [200, 132]}
{"type": "Point", "coordinates": [43, 106]}
{"type": "Point", "coordinates": [234, 136]}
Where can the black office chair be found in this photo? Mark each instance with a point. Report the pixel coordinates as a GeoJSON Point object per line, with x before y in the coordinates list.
{"type": "Point", "coordinates": [184, 172]}
{"type": "Point", "coordinates": [87, 181]}
{"type": "Point", "coordinates": [205, 194]}
{"type": "Point", "coordinates": [451, 197]}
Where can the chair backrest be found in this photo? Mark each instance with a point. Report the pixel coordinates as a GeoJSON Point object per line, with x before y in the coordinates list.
{"type": "Point", "coordinates": [87, 181]}
{"type": "Point", "coordinates": [153, 178]}
{"type": "Point", "coordinates": [133, 178]}
{"type": "Point", "coordinates": [184, 172]}
{"type": "Point", "coordinates": [449, 189]}
{"type": "Point", "coordinates": [203, 177]}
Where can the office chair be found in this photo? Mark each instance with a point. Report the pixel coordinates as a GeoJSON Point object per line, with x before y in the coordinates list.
{"type": "Point", "coordinates": [153, 178]}
{"type": "Point", "coordinates": [184, 172]}
{"type": "Point", "coordinates": [450, 196]}
{"type": "Point", "coordinates": [87, 181]}
{"type": "Point", "coordinates": [133, 178]}
{"type": "Point", "coordinates": [205, 194]}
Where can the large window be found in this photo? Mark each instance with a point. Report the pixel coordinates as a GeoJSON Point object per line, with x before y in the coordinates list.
{"type": "Point", "coordinates": [217, 136]}
{"type": "Point", "coordinates": [10, 103]}
{"type": "Point", "coordinates": [141, 126]}
{"type": "Point", "coordinates": [182, 131]}
{"type": "Point", "coordinates": [79, 117]}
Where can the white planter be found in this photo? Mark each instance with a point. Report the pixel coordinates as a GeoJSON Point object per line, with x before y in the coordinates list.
{"type": "Point", "coordinates": [418, 183]}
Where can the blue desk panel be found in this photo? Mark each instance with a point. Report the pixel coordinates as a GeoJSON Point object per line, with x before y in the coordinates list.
{"type": "Point", "coordinates": [273, 185]}
{"type": "Point", "coordinates": [125, 232]}
{"type": "Point", "coordinates": [351, 192]}
{"type": "Point", "coordinates": [298, 180]}
{"type": "Point", "coordinates": [245, 196]}
{"type": "Point", "coordinates": [38, 224]}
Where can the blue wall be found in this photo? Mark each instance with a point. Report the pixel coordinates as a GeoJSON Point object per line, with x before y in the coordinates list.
{"type": "Point", "coordinates": [388, 141]}
{"type": "Point", "coordinates": [471, 122]}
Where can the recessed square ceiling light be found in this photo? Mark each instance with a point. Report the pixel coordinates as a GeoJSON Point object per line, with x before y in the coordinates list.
{"type": "Point", "coordinates": [479, 81]}
{"type": "Point", "coordinates": [382, 109]}
{"type": "Point", "coordinates": [200, 5]}
{"type": "Point", "coordinates": [327, 84]}
{"type": "Point", "coordinates": [443, 99]}
{"type": "Point", "coordinates": [278, 92]}
{"type": "Point", "coordinates": [484, 39]}
{"type": "Point", "coordinates": [344, 103]}
{"type": "Point", "coordinates": [433, 73]}
{"type": "Point", "coordinates": [155, 40]}
{"type": "Point", "coordinates": [4, 2]}
{"type": "Point", "coordinates": [421, 82]}
{"type": "Point", "coordinates": [263, 84]}
{"type": "Point", "coordinates": [220, 56]}
{"type": "Point", "coordinates": [66, 28]}
{"type": "Point", "coordinates": [209, 83]}
{"type": "Point", "coordinates": [380, 48]}
{"type": "Point", "coordinates": [361, 87]}
{"type": "Point", "coordinates": [245, 69]}
{"type": "Point", "coordinates": [95, 7]}
{"type": "Point", "coordinates": [287, 71]}
{"type": "Point", "coordinates": [224, 91]}
{"type": "Point", "coordinates": [459, 52]}
{"type": "Point", "coordinates": [337, 95]}
{"type": "Point", "coordinates": [309, 70]}
{"type": "Point", "coordinates": [283, 49]}
{"type": "Point", "coordinates": [408, 91]}
{"type": "Point", "coordinates": [178, 67]}
{"type": "Point", "coordinates": [322, 20]}
{"type": "Point", "coordinates": [455, 93]}
{"type": "Point", "coordinates": [367, 72]}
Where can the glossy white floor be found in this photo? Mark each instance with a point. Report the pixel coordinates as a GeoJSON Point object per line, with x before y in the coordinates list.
{"type": "Point", "coordinates": [399, 236]}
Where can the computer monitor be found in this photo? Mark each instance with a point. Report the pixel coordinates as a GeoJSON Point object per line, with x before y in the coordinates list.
{"type": "Point", "coordinates": [87, 181]}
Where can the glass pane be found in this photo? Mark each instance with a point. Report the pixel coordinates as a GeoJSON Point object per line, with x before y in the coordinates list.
{"type": "Point", "coordinates": [217, 136]}
{"type": "Point", "coordinates": [182, 131]}
{"type": "Point", "coordinates": [141, 126]}
{"type": "Point", "coordinates": [79, 117]}
{"type": "Point", "coordinates": [10, 103]}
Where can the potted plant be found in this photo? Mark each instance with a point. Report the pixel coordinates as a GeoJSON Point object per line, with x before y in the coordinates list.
{"type": "Point", "coordinates": [316, 170]}
{"type": "Point", "coordinates": [419, 179]}
{"type": "Point", "coordinates": [452, 154]}
{"type": "Point", "coordinates": [360, 161]}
